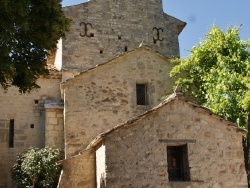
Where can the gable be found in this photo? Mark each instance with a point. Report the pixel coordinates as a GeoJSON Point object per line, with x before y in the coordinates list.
{"type": "Point", "coordinates": [138, 148]}
{"type": "Point", "coordinates": [105, 96]}
{"type": "Point", "coordinates": [139, 55]}
{"type": "Point", "coordinates": [176, 109]}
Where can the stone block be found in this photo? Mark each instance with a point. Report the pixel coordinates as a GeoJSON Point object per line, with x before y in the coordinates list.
{"type": "Point", "coordinates": [3, 125]}
{"type": "Point", "coordinates": [59, 115]}
{"type": "Point", "coordinates": [51, 114]}
{"type": "Point", "coordinates": [52, 121]}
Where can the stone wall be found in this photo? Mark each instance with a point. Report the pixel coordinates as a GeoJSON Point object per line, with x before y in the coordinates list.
{"type": "Point", "coordinates": [7, 158]}
{"type": "Point", "coordinates": [103, 29]}
{"type": "Point", "coordinates": [79, 171]}
{"type": "Point", "coordinates": [54, 127]}
{"type": "Point", "coordinates": [4, 131]}
{"type": "Point", "coordinates": [27, 111]}
{"type": "Point", "coordinates": [99, 99]}
{"type": "Point", "coordinates": [136, 156]}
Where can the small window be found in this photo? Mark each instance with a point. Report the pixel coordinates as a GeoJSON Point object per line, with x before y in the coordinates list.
{"type": "Point", "coordinates": [11, 134]}
{"type": "Point", "coordinates": [141, 94]}
{"type": "Point", "coordinates": [178, 167]}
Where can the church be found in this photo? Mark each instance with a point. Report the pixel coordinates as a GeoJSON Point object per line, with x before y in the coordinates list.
{"type": "Point", "coordinates": [105, 107]}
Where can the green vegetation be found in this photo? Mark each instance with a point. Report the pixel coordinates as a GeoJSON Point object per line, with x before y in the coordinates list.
{"type": "Point", "coordinates": [217, 76]}
{"type": "Point", "coordinates": [37, 168]}
{"type": "Point", "coordinates": [29, 30]}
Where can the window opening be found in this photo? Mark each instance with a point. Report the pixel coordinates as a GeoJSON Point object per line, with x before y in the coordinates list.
{"type": "Point", "coordinates": [141, 94]}
{"type": "Point", "coordinates": [11, 134]}
{"type": "Point", "coordinates": [36, 101]}
{"type": "Point", "coordinates": [32, 126]}
{"type": "Point", "coordinates": [125, 48]}
{"type": "Point", "coordinates": [178, 167]}
{"type": "Point", "coordinates": [119, 37]}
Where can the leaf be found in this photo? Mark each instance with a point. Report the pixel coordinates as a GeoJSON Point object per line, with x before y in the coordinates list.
{"type": "Point", "coordinates": [37, 167]}
{"type": "Point", "coordinates": [216, 74]}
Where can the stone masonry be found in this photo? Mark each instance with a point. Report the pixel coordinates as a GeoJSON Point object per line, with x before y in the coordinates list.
{"type": "Point", "coordinates": [112, 46]}
{"type": "Point", "coordinates": [134, 154]}
{"type": "Point", "coordinates": [54, 125]}
{"type": "Point", "coordinates": [109, 93]}
{"type": "Point", "coordinates": [101, 30]}
{"type": "Point", "coordinates": [104, 29]}
{"type": "Point", "coordinates": [28, 113]}
{"type": "Point", "coordinates": [79, 171]}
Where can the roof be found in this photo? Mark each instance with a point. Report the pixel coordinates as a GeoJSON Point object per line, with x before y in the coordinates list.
{"type": "Point", "coordinates": [49, 104]}
{"type": "Point", "coordinates": [175, 96]}
{"type": "Point", "coordinates": [180, 24]}
{"type": "Point", "coordinates": [142, 46]}
{"type": "Point", "coordinates": [53, 72]}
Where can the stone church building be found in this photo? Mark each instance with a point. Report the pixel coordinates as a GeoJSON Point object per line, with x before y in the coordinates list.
{"type": "Point", "coordinates": [104, 107]}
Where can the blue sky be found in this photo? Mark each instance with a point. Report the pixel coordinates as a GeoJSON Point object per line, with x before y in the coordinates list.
{"type": "Point", "coordinates": [200, 15]}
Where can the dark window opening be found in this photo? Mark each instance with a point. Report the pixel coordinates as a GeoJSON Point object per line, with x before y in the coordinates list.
{"type": "Point", "coordinates": [32, 126]}
{"type": "Point", "coordinates": [11, 134]}
{"type": "Point", "coordinates": [125, 48]}
{"type": "Point", "coordinates": [36, 101]}
{"type": "Point", "coordinates": [141, 94]}
{"type": "Point", "coordinates": [92, 35]}
{"type": "Point", "coordinates": [178, 167]}
{"type": "Point", "coordinates": [119, 37]}
{"type": "Point", "coordinates": [101, 51]}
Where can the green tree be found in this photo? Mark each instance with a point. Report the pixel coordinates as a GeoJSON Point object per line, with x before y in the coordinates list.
{"type": "Point", "coordinates": [29, 31]}
{"type": "Point", "coordinates": [217, 76]}
{"type": "Point", "coordinates": [37, 168]}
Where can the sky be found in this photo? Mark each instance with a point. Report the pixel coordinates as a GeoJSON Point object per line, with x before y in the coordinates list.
{"type": "Point", "coordinates": [200, 16]}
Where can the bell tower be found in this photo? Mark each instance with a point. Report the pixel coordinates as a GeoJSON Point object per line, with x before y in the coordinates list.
{"type": "Point", "coordinates": [104, 29]}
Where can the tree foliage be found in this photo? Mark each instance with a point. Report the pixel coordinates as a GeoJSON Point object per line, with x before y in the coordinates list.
{"type": "Point", "coordinates": [37, 168]}
{"type": "Point", "coordinates": [29, 30]}
{"type": "Point", "coordinates": [217, 74]}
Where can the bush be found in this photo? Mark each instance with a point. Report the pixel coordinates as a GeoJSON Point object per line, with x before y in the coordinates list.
{"type": "Point", "coordinates": [37, 168]}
